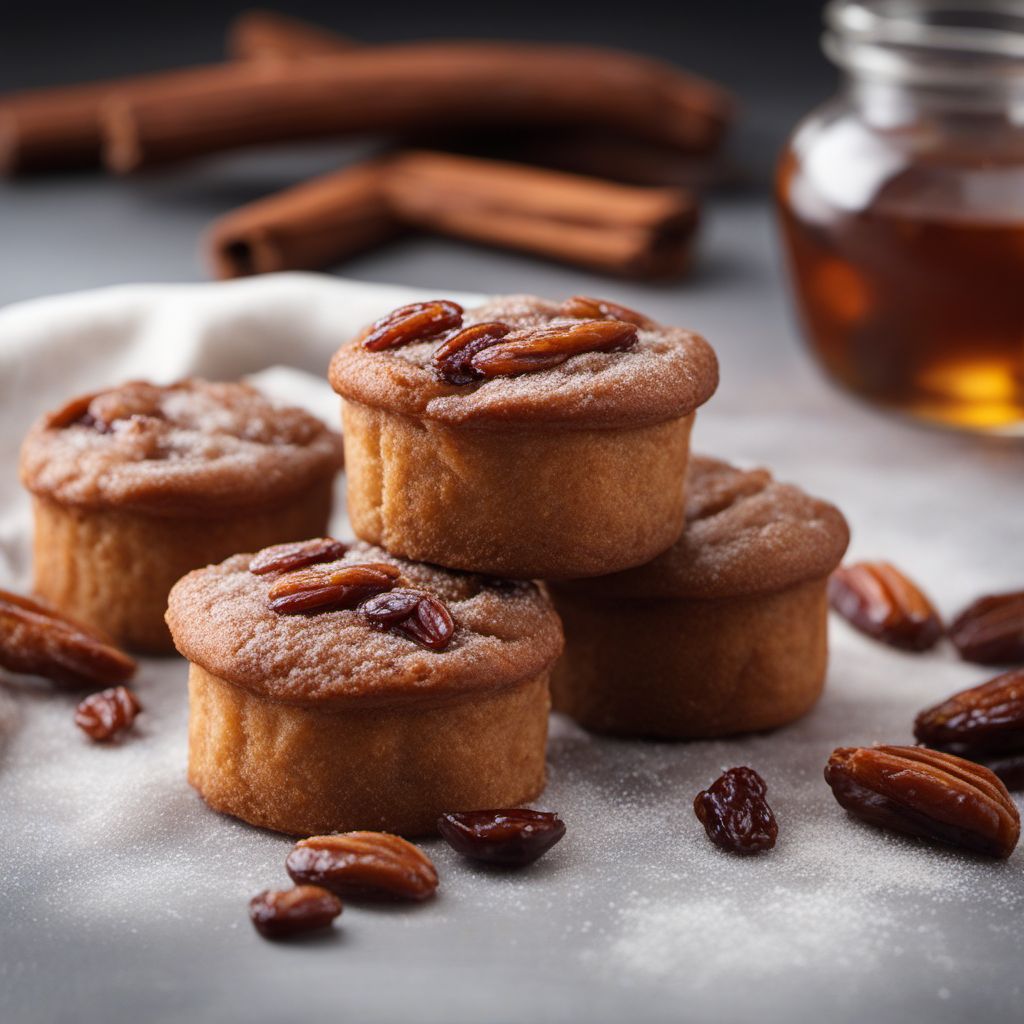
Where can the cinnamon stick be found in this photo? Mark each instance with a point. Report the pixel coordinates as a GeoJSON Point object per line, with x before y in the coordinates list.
{"type": "Point", "coordinates": [612, 228]}
{"type": "Point", "coordinates": [267, 35]}
{"type": "Point", "coordinates": [309, 227]}
{"type": "Point", "coordinates": [617, 229]}
{"type": "Point", "coordinates": [413, 87]}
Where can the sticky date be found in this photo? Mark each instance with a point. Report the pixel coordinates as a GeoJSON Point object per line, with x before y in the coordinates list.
{"type": "Point", "coordinates": [511, 838]}
{"type": "Point", "coordinates": [285, 913]}
{"type": "Point", "coordinates": [735, 814]}
{"type": "Point", "coordinates": [414, 614]}
{"type": "Point", "coordinates": [101, 716]}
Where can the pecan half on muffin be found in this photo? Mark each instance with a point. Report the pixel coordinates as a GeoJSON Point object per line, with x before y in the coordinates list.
{"type": "Point", "coordinates": [134, 486]}
{"type": "Point", "coordinates": [524, 438]}
{"type": "Point", "coordinates": [726, 632]}
{"type": "Point", "coordinates": [363, 691]}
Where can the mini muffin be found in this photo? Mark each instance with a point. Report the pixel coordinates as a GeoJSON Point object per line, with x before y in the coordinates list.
{"type": "Point", "coordinates": [723, 633]}
{"type": "Point", "coordinates": [524, 438]}
{"type": "Point", "coordinates": [135, 486]}
{"type": "Point", "coordinates": [361, 691]}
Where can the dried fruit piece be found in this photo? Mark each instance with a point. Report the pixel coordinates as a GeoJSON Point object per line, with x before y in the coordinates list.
{"type": "Point", "coordinates": [38, 640]}
{"type": "Point", "coordinates": [321, 589]}
{"type": "Point", "coordinates": [285, 557]}
{"type": "Point", "coordinates": [735, 814]}
{"type": "Point", "coordinates": [984, 719]}
{"type": "Point", "coordinates": [1008, 768]}
{"type": "Point", "coordinates": [101, 716]}
{"type": "Point", "coordinates": [512, 838]}
{"type": "Point", "coordinates": [288, 912]}
{"type": "Point", "coordinates": [453, 359]}
{"type": "Point", "coordinates": [364, 865]}
{"type": "Point", "coordinates": [419, 321]}
{"type": "Point", "coordinates": [413, 613]}
{"type": "Point", "coordinates": [991, 630]}
{"type": "Point", "coordinates": [540, 348]}
{"type": "Point", "coordinates": [587, 308]}
{"type": "Point", "coordinates": [880, 601]}
{"type": "Point", "coordinates": [926, 793]}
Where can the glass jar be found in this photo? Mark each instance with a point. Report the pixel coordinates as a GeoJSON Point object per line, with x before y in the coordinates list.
{"type": "Point", "coordinates": [902, 210]}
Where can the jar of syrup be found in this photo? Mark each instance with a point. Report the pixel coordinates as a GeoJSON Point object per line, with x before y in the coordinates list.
{"type": "Point", "coordinates": [902, 210]}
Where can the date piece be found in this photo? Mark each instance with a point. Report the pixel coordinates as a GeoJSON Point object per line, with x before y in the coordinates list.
{"type": "Point", "coordinates": [586, 308]}
{"type": "Point", "coordinates": [540, 348]}
{"type": "Point", "coordinates": [37, 640]}
{"type": "Point", "coordinates": [735, 814]}
{"type": "Point", "coordinates": [414, 614]}
{"type": "Point", "coordinates": [877, 599]}
{"type": "Point", "coordinates": [363, 865]}
{"type": "Point", "coordinates": [286, 557]}
{"type": "Point", "coordinates": [926, 793]}
{"type": "Point", "coordinates": [453, 358]}
{"type": "Point", "coordinates": [419, 321]}
{"type": "Point", "coordinates": [285, 913]}
{"type": "Point", "coordinates": [513, 837]}
{"type": "Point", "coordinates": [101, 716]}
{"type": "Point", "coordinates": [991, 630]}
{"type": "Point", "coordinates": [328, 589]}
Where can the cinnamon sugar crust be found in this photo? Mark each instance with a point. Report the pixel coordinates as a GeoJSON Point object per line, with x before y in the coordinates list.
{"type": "Point", "coordinates": [194, 447]}
{"type": "Point", "coordinates": [220, 619]}
{"type": "Point", "coordinates": [667, 374]}
{"type": "Point", "coordinates": [745, 534]}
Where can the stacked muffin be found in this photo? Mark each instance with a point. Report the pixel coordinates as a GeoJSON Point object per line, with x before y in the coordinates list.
{"type": "Point", "coordinates": [382, 683]}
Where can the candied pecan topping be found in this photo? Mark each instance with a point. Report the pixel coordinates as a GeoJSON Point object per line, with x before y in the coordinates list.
{"type": "Point", "coordinates": [877, 599]}
{"type": "Point", "coordinates": [285, 557]}
{"type": "Point", "coordinates": [735, 814]}
{"type": "Point", "coordinates": [926, 793]}
{"type": "Point", "coordinates": [343, 587]}
{"type": "Point", "coordinates": [282, 914]}
{"type": "Point", "coordinates": [413, 613]}
{"type": "Point", "coordinates": [540, 348]}
{"type": "Point", "coordinates": [512, 837]}
{"type": "Point", "coordinates": [991, 630]}
{"type": "Point", "coordinates": [419, 321]}
{"type": "Point", "coordinates": [37, 640]}
{"type": "Point", "coordinates": [584, 307]}
{"type": "Point", "coordinates": [101, 716]}
{"type": "Point", "coordinates": [453, 359]}
{"type": "Point", "coordinates": [985, 719]}
{"type": "Point", "coordinates": [364, 865]}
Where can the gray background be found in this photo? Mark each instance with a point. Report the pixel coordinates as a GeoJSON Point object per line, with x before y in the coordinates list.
{"type": "Point", "coordinates": [124, 898]}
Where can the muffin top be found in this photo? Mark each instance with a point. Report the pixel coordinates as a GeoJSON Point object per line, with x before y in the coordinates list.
{"type": "Point", "coordinates": [500, 633]}
{"type": "Point", "coordinates": [190, 447]}
{"type": "Point", "coordinates": [581, 363]}
{"type": "Point", "coordinates": [745, 533]}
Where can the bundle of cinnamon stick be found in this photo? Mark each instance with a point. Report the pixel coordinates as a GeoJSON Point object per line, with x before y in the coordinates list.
{"type": "Point", "coordinates": [286, 80]}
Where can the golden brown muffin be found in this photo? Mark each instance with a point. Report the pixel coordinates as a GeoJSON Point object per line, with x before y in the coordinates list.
{"type": "Point", "coordinates": [723, 633]}
{"type": "Point", "coordinates": [320, 720]}
{"type": "Point", "coordinates": [553, 445]}
{"type": "Point", "coordinates": [135, 486]}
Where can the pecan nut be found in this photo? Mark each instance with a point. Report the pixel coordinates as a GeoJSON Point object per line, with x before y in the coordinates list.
{"type": "Point", "coordinates": [926, 793]}
{"type": "Point", "coordinates": [285, 557]}
{"type": "Point", "coordinates": [511, 838]}
{"type": "Point", "coordinates": [735, 814]}
{"type": "Point", "coordinates": [540, 348]}
{"type": "Point", "coordinates": [453, 358]}
{"type": "Point", "coordinates": [363, 865]}
{"type": "Point", "coordinates": [584, 307]}
{"type": "Point", "coordinates": [877, 599]}
{"type": "Point", "coordinates": [282, 914]}
{"type": "Point", "coordinates": [419, 321]}
{"type": "Point", "coordinates": [415, 614]}
{"type": "Point", "coordinates": [991, 630]}
{"type": "Point", "coordinates": [321, 589]}
{"type": "Point", "coordinates": [37, 640]}
{"type": "Point", "coordinates": [101, 716]}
